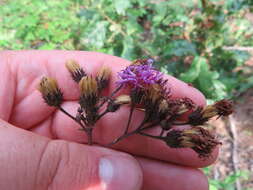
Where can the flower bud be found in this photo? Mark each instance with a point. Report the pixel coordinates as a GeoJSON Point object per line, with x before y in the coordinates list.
{"type": "Point", "coordinates": [89, 92]}
{"type": "Point", "coordinates": [103, 78]}
{"type": "Point", "coordinates": [202, 115]}
{"type": "Point", "coordinates": [196, 138]}
{"type": "Point", "coordinates": [50, 91]}
{"type": "Point", "coordinates": [77, 73]}
{"type": "Point", "coordinates": [120, 100]}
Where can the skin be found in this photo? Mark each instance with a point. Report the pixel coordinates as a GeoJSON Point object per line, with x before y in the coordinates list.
{"type": "Point", "coordinates": [41, 148]}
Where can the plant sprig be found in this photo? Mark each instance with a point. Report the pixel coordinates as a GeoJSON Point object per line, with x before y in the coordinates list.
{"type": "Point", "coordinates": [148, 92]}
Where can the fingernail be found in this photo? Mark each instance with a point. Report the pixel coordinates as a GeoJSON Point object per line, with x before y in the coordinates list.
{"type": "Point", "coordinates": [120, 172]}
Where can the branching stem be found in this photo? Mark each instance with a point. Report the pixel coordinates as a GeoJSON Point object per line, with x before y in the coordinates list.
{"type": "Point", "coordinates": [73, 118]}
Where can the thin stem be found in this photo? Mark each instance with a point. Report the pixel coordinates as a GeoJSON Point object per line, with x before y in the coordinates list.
{"type": "Point", "coordinates": [185, 123]}
{"type": "Point", "coordinates": [102, 114]}
{"type": "Point", "coordinates": [148, 135]}
{"type": "Point", "coordinates": [162, 132]}
{"type": "Point", "coordinates": [122, 137]}
{"type": "Point", "coordinates": [72, 117]}
{"type": "Point", "coordinates": [89, 135]}
{"type": "Point", "coordinates": [109, 97]}
{"type": "Point", "coordinates": [150, 126]}
{"type": "Point", "coordinates": [116, 90]}
{"type": "Point", "coordinates": [139, 129]}
{"type": "Point", "coordinates": [129, 118]}
{"type": "Point", "coordinates": [65, 112]}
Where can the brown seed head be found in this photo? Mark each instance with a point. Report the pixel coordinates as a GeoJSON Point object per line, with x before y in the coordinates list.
{"type": "Point", "coordinates": [163, 106]}
{"type": "Point", "coordinates": [136, 95]}
{"type": "Point", "coordinates": [224, 107]}
{"type": "Point", "coordinates": [196, 138]}
{"type": "Point", "coordinates": [50, 91]}
{"type": "Point", "coordinates": [77, 73]}
{"type": "Point", "coordinates": [202, 115]}
{"type": "Point", "coordinates": [209, 112]}
{"type": "Point", "coordinates": [153, 94]}
{"type": "Point", "coordinates": [103, 77]}
{"type": "Point", "coordinates": [89, 98]}
{"type": "Point", "coordinates": [88, 86]}
{"type": "Point", "coordinates": [89, 94]}
{"type": "Point", "coordinates": [180, 106]}
{"type": "Point", "coordinates": [196, 117]}
{"type": "Point", "coordinates": [155, 105]}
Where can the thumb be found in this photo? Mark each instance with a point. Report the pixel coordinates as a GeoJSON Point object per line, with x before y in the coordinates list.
{"type": "Point", "coordinates": [29, 161]}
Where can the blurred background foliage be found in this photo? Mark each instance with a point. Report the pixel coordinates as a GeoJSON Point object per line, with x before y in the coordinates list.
{"type": "Point", "coordinates": [194, 40]}
{"type": "Point", "coordinates": [186, 37]}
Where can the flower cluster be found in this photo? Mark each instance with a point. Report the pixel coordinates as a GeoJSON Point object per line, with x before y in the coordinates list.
{"type": "Point", "coordinates": [150, 93]}
{"type": "Point", "coordinates": [140, 74]}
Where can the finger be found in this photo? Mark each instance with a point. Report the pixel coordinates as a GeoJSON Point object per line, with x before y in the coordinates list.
{"type": "Point", "coordinates": [52, 63]}
{"type": "Point", "coordinates": [32, 65]}
{"type": "Point", "coordinates": [29, 161]}
{"type": "Point", "coordinates": [36, 64]}
{"type": "Point", "coordinates": [163, 176]}
{"type": "Point", "coordinates": [110, 127]}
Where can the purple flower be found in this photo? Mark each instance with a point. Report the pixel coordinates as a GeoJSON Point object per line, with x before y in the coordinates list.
{"type": "Point", "coordinates": [140, 75]}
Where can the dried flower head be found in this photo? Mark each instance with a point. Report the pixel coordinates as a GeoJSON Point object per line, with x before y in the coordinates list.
{"type": "Point", "coordinates": [202, 115]}
{"type": "Point", "coordinates": [224, 107]}
{"type": "Point", "coordinates": [196, 138]}
{"type": "Point", "coordinates": [115, 104]}
{"type": "Point", "coordinates": [155, 105]}
{"type": "Point", "coordinates": [180, 106]}
{"type": "Point", "coordinates": [153, 94]}
{"type": "Point", "coordinates": [163, 107]}
{"type": "Point", "coordinates": [103, 78]}
{"type": "Point", "coordinates": [77, 73]}
{"type": "Point", "coordinates": [123, 99]}
{"type": "Point", "coordinates": [89, 92]}
{"type": "Point", "coordinates": [50, 91]}
{"type": "Point", "coordinates": [136, 95]}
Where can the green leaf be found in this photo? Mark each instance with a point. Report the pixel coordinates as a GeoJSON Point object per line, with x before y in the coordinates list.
{"type": "Point", "coordinates": [212, 187]}
{"type": "Point", "coordinates": [180, 48]}
{"type": "Point", "coordinates": [128, 48]}
{"type": "Point", "coordinates": [121, 6]}
{"type": "Point", "coordinates": [97, 36]}
{"type": "Point", "coordinates": [48, 46]}
{"type": "Point", "coordinates": [87, 14]}
{"type": "Point", "coordinates": [194, 70]}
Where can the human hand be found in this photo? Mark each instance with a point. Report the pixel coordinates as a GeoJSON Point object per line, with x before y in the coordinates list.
{"type": "Point", "coordinates": [54, 159]}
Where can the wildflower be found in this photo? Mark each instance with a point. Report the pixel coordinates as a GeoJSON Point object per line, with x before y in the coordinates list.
{"type": "Point", "coordinates": [77, 73]}
{"type": "Point", "coordinates": [103, 78]}
{"type": "Point", "coordinates": [50, 91]}
{"type": "Point", "coordinates": [89, 92]}
{"type": "Point", "coordinates": [202, 115]}
{"type": "Point", "coordinates": [140, 75]}
{"type": "Point", "coordinates": [196, 138]}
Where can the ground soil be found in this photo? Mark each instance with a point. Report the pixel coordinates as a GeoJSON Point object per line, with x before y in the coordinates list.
{"type": "Point", "coordinates": [242, 119]}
